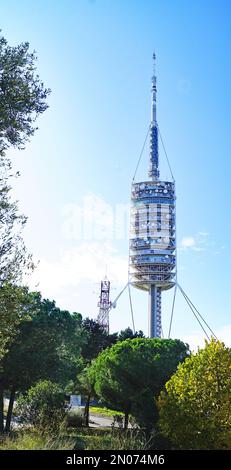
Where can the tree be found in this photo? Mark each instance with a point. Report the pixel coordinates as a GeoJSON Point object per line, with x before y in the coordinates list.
{"type": "Point", "coordinates": [47, 346]}
{"type": "Point", "coordinates": [96, 339]}
{"type": "Point", "coordinates": [195, 410]}
{"type": "Point", "coordinates": [128, 333]}
{"type": "Point", "coordinates": [85, 386]}
{"type": "Point", "coordinates": [22, 95]}
{"type": "Point", "coordinates": [14, 259]}
{"type": "Point", "coordinates": [13, 308]}
{"type": "Point", "coordinates": [43, 406]}
{"type": "Point", "coordinates": [131, 373]}
{"type": "Point", "coordinates": [22, 100]}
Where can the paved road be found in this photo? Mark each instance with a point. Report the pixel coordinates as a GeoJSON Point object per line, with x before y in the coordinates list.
{"type": "Point", "coordinates": [97, 421]}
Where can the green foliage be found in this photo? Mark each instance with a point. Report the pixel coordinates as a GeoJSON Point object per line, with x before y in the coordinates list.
{"type": "Point", "coordinates": [33, 440]}
{"type": "Point", "coordinates": [128, 333]}
{"type": "Point", "coordinates": [14, 259]}
{"type": "Point", "coordinates": [75, 418]}
{"type": "Point", "coordinates": [22, 97]}
{"type": "Point", "coordinates": [23, 441]}
{"type": "Point", "coordinates": [13, 309]}
{"type": "Point", "coordinates": [103, 411]}
{"type": "Point", "coordinates": [90, 439]}
{"type": "Point", "coordinates": [22, 100]}
{"type": "Point", "coordinates": [96, 339]}
{"type": "Point", "coordinates": [117, 439]}
{"type": "Point", "coordinates": [85, 386]}
{"type": "Point", "coordinates": [47, 345]}
{"type": "Point", "coordinates": [131, 373]}
{"type": "Point", "coordinates": [195, 410]}
{"type": "Point", "coordinates": [43, 406]}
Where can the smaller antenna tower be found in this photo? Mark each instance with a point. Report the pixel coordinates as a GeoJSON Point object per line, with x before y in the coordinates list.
{"type": "Point", "coordinates": [104, 304]}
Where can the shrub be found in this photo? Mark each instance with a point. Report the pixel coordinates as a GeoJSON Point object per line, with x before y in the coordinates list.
{"type": "Point", "coordinates": [195, 408]}
{"type": "Point", "coordinates": [75, 418]}
{"type": "Point", "coordinates": [43, 406]}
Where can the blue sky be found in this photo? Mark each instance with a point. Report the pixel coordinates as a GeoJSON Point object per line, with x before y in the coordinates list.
{"type": "Point", "coordinates": [96, 56]}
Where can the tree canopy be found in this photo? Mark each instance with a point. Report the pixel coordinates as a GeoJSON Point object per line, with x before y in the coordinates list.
{"type": "Point", "coordinates": [47, 346]}
{"type": "Point", "coordinates": [22, 99]}
{"type": "Point", "coordinates": [96, 339]}
{"type": "Point", "coordinates": [14, 302]}
{"type": "Point", "coordinates": [22, 95]}
{"type": "Point", "coordinates": [195, 409]}
{"type": "Point", "coordinates": [131, 373]}
{"type": "Point", "coordinates": [128, 333]}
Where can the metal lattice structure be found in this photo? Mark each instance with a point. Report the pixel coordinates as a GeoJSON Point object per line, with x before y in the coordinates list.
{"type": "Point", "coordinates": [104, 305]}
{"type": "Point", "coordinates": [152, 260]}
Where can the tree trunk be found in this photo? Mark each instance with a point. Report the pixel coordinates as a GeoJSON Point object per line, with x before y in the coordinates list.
{"type": "Point", "coordinates": [1, 410]}
{"type": "Point", "coordinates": [86, 411]}
{"type": "Point", "coordinates": [10, 410]}
{"type": "Point", "coordinates": [126, 416]}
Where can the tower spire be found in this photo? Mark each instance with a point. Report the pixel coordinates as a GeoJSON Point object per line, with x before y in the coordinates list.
{"type": "Point", "coordinates": [153, 111]}
{"type": "Point", "coordinates": [154, 153]}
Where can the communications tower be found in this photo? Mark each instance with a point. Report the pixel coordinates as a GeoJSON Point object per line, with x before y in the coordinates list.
{"type": "Point", "coordinates": [152, 260]}
{"type": "Point", "coordinates": [104, 304]}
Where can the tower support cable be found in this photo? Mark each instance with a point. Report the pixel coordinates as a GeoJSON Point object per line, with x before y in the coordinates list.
{"type": "Point", "coordinates": [194, 310]}
{"type": "Point", "coordinates": [113, 304]}
{"type": "Point", "coordinates": [205, 332]}
{"type": "Point", "coordinates": [131, 308]}
{"type": "Point", "coordinates": [166, 155]}
{"type": "Point", "coordinates": [173, 306]}
{"type": "Point", "coordinates": [141, 153]}
{"type": "Point", "coordinates": [193, 306]}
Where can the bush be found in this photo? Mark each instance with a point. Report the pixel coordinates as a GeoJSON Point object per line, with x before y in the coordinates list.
{"type": "Point", "coordinates": [195, 408]}
{"type": "Point", "coordinates": [75, 418]}
{"type": "Point", "coordinates": [43, 406]}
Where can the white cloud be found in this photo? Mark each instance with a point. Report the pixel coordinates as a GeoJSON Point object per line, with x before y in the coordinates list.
{"type": "Point", "coordinates": [198, 248]}
{"type": "Point", "coordinates": [95, 219]}
{"type": "Point", "coordinates": [188, 242]}
{"type": "Point", "coordinates": [197, 242]}
{"type": "Point", "coordinates": [198, 339]}
{"type": "Point", "coordinates": [203, 234]}
{"type": "Point", "coordinates": [85, 263]}
{"type": "Point", "coordinates": [87, 249]}
{"type": "Point", "coordinates": [224, 334]}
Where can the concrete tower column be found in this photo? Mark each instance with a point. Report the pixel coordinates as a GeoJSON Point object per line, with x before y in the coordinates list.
{"type": "Point", "coordinates": [154, 316]}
